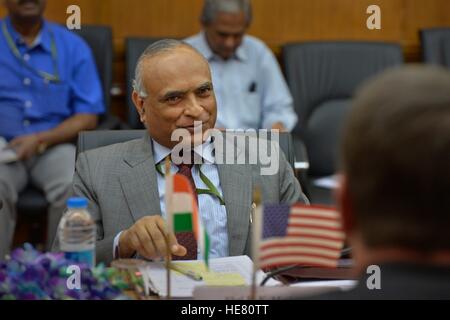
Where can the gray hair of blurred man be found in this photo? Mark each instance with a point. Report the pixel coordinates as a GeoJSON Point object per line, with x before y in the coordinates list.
{"type": "Point", "coordinates": [395, 155]}
{"type": "Point", "coordinates": [212, 7]}
{"type": "Point", "coordinates": [158, 47]}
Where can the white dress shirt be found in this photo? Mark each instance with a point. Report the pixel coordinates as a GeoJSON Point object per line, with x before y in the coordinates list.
{"type": "Point", "coordinates": [250, 89]}
{"type": "Point", "coordinates": [212, 213]}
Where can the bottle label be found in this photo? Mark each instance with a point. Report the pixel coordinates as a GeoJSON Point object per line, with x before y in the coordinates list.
{"type": "Point", "coordinates": [83, 257]}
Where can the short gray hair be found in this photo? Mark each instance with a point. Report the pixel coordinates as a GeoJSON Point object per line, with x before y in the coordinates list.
{"type": "Point", "coordinates": [158, 47]}
{"type": "Point", "coordinates": [212, 7]}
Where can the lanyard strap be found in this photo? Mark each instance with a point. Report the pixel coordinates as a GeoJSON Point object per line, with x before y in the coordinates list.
{"type": "Point", "coordinates": [212, 190]}
{"type": "Point", "coordinates": [45, 75]}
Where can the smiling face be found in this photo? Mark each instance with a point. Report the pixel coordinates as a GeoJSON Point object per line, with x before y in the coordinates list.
{"type": "Point", "coordinates": [179, 88]}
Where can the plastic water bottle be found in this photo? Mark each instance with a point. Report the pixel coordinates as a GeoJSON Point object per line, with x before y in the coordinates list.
{"type": "Point", "coordinates": [77, 233]}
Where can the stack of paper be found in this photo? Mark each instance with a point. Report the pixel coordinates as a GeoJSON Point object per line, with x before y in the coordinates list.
{"type": "Point", "coordinates": [228, 271]}
{"type": "Point", "coordinates": [293, 292]}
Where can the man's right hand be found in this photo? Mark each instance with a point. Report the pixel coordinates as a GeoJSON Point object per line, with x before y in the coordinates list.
{"type": "Point", "coordinates": [147, 238]}
{"type": "Point", "coordinates": [25, 146]}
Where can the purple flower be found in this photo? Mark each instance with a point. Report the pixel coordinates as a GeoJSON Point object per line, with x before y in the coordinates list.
{"type": "Point", "coordinates": [31, 275]}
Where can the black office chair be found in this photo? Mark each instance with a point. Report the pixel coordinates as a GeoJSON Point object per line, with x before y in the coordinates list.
{"type": "Point", "coordinates": [99, 38]}
{"type": "Point", "coordinates": [133, 49]}
{"type": "Point", "coordinates": [435, 43]}
{"type": "Point", "coordinates": [322, 77]}
{"type": "Point", "coordinates": [32, 205]}
{"type": "Point", "coordinates": [88, 140]}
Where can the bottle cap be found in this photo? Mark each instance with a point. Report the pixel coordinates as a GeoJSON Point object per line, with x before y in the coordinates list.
{"type": "Point", "coordinates": [77, 202]}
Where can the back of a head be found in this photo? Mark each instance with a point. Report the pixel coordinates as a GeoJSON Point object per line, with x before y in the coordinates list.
{"type": "Point", "coordinates": [396, 156]}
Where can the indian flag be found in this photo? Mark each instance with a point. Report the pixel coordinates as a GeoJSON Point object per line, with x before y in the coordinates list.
{"type": "Point", "coordinates": [182, 212]}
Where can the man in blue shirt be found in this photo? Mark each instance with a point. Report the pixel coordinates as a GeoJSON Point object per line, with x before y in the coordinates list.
{"type": "Point", "coordinates": [49, 91]}
{"type": "Point", "coordinates": [250, 89]}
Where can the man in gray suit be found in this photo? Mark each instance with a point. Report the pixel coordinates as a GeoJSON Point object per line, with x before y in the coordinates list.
{"type": "Point", "coordinates": [125, 185]}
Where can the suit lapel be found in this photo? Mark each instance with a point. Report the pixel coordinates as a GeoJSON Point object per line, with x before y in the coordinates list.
{"type": "Point", "coordinates": [236, 183]}
{"type": "Point", "coordinates": [139, 183]}
{"type": "Point", "coordinates": [140, 188]}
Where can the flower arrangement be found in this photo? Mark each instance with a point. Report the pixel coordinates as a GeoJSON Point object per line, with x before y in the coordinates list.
{"type": "Point", "coordinates": [31, 275]}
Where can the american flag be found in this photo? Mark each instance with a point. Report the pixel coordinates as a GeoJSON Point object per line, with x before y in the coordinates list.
{"type": "Point", "coordinates": [300, 235]}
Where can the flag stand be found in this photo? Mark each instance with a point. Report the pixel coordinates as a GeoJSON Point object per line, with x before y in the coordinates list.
{"type": "Point", "coordinates": [253, 290]}
{"type": "Point", "coordinates": [166, 236]}
{"type": "Point", "coordinates": [168, 262]}
{"type": "Point", "coordinates": [255, 217]}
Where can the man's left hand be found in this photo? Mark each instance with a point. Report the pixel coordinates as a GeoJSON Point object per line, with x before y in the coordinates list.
{"type": "Point", "coordinates": [25, 146]}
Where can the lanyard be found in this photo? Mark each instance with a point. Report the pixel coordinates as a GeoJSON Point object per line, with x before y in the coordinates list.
{"type": "Point", "coordinates": [212, 190]}
{"type": "Point", "coordinates": [45, 75]}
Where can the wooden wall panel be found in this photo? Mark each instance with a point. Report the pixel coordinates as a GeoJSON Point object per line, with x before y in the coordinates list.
{"type": "Point", "coordinates": [171, 18]}
{"type": "Point", "coordinates": [275, 21]}
{"type": "Point", "coordinates": [295, 20]}
{"type": "Point", "coordinates": [419, 14]}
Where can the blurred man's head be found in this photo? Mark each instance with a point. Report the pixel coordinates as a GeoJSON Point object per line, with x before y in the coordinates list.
{"type": "Point", "coordinates": [396, 163]}
{"type": "Point", "coordinates": [225, 23]}
{"type": "Point", "coordinates": [173, 88]}
{"type": "Point", "coordinates": [23, 10]}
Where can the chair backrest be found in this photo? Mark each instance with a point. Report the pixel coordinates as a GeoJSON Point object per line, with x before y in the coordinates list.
{"type": "Point", "coordinates": [88, 140]}
{"type": "Point", "coordinates": [99, 39]}
{"type": "Point", "coordinates": [322, 77]}
{"type": "Point", "coordinates": [134, 47]}
{"type": "Point", "coordinates": [435, 44]}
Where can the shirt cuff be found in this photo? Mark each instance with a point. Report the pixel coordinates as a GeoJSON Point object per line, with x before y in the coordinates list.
{"type": "Point", "coordinates": [288, 119]}
{"type": "Point", "coordinates": [116, 246]}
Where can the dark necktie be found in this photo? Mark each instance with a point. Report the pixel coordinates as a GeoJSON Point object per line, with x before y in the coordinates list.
{"type": "Point", "coordinates": [187, 239]}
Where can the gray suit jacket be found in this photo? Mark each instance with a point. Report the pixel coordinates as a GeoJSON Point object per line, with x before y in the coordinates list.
{"type": "Point", "coordinates": [121, 185]}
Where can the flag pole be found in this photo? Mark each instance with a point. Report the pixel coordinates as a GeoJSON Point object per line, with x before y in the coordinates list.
{"type": "Point", "coordinates": [255, 219]}
{"type": "Point", "coordinates": [166, 235]}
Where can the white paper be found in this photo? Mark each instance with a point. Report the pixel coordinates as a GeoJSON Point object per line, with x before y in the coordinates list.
{"type": "Point", "coordinates": [6, 155]}
{"type": "Point", "coordinates": [329, 182]}
{"type": "Point", "coordinates": [299, 290]}
{"type": "Point", "coordinates": [338, 284]}
{"type": "Point", "coordinates": [262, 293]}
{"type": "Point", "coordinates": [183, 286]}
